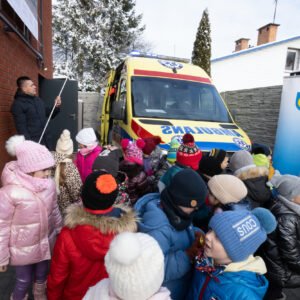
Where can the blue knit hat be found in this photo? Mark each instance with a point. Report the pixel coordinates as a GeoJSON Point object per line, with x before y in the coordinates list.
{"type": "Point", "coordinates": [242, 232]}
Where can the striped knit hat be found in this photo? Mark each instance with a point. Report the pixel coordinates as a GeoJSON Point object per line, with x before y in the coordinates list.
{"type": "Point", "coordinates": [188, 154]}
{"type": "Point", "coordinates": [174, 145]}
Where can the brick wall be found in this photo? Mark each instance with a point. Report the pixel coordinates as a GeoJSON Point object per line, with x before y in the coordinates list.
{"type": "Point", "coordinates": [16, 59]}
{"type": "Point", "coordinates": [257, 111]}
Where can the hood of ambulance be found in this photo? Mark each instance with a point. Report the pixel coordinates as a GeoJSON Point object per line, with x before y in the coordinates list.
{"type": "Point", "coordinates": [207, 135]}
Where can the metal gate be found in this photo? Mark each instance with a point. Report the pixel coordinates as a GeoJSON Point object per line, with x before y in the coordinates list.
{"type": "Point", "coordinates": [67, 118]}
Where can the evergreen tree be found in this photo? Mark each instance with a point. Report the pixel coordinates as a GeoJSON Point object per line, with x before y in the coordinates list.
{"type": "Point", "coordinates": [202, 45]}
{"type": "Point", "coordinates": [92, 36]}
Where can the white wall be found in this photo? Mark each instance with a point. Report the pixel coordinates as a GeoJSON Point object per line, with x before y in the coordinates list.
{"type": "Point", "coordinates": [256, 67]}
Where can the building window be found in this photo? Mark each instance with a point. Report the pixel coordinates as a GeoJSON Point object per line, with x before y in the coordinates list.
{"type": "Point", "coordinates": [292, 60]}
{"type": "Point", "coordinates": [23, 18]}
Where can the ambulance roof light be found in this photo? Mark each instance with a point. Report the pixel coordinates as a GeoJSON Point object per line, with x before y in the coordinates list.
{"type": "Point", "coordinates": [136, 53]}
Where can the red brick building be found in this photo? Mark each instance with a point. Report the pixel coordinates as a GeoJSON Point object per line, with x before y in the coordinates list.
{"type": "Point", "coordinates": [21, 54]}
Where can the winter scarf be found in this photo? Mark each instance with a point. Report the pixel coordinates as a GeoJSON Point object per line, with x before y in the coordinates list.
{"type": "Point", "coordinates": [177, 218]}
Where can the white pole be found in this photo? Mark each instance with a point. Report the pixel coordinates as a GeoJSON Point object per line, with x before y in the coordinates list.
{"type": "Point", "coordinates": [51, 113]}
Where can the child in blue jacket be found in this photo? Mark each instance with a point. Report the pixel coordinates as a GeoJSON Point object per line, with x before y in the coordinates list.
{"type": "Point", "coordinates": [167, 217]}
{"type": "Point", "coordinates": [226, 268]}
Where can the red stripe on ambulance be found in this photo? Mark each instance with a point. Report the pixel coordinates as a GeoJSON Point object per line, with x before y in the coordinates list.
{"type": "Point", "coordinates": [171, 75]}
{"type": "Point", "coordinates": [139, 130]}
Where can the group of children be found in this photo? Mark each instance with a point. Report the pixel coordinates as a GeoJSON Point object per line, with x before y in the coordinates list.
{"type": "Point", "coordinates": [136, 223]}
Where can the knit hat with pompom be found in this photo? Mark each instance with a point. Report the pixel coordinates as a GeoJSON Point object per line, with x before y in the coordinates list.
{"type": "Point", "coordinates": [150, 144]}
{"type": "Point", "coordinates": [172, 151]}
{"type": "Point", "coordinates": [242, 232]}
{"type": "Point", "coordinates": [31, 156]}
{"type": "Point", "coordinates": [133, 150]}
{"type": "Point", "coordinates": [188, 154]}
{"type": "Point", "coordinates": [64, 144]}
{"type": "Point", "coordinates": [99, 192]}
{"type": "Point", "coordinates": [135, 265]}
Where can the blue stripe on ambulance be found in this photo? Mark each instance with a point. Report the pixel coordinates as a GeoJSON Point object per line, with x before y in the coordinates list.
{"type": "Point", "coordinates": [204, 146]}
{"type": "Point", "coordinates": [207, 146]}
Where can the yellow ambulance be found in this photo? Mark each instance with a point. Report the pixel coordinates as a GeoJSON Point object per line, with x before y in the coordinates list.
{"type": "Point", "coordinates": [151, 95]}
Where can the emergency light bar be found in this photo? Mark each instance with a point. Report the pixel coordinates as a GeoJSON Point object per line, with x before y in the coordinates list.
{"type": "Point", "coordinates": [153, 55]}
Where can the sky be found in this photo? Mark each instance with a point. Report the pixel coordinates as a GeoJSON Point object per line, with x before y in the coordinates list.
{"type": "Point", "coordinates": [171, 25]}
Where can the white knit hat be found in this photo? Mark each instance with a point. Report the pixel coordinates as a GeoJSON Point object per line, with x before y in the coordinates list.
{"type": "Point", "coordinates": [64, 144]}
{"type": "Point", "coordinates": [86, 136]}
{"type": "Point", "coordinates": [135, 264]}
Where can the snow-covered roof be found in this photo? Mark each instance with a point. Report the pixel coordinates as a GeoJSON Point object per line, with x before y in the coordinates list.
{"type": "Point", "coordinates": [256, 48]}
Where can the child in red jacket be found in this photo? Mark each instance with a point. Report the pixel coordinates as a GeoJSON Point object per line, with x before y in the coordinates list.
{"type": "Point", "coordinates": [78, 258]}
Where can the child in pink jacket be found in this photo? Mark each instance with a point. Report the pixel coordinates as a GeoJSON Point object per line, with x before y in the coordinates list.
{"type": "Point", "coordinates": [29, 216]}
{"type": "Point", "coordinates": [88, 151]}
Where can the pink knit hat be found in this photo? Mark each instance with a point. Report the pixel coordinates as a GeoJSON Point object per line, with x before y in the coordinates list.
{"type": "Point", "coordinates": [31, 156]}
{"type": "Point", "coordinates": [133, 150]}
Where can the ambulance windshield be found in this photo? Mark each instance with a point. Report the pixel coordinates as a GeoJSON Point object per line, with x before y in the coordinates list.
{"type": "Point", "coordinates": [177, 99]}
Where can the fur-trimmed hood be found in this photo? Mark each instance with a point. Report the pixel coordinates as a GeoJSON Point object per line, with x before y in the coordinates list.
{"type": "Point", "coordinates": [92, 234]}
{"type": "Point", "coordinates": [253, 173]}
{"type": "Point", "coordinates": [77, 216]}
{"type": "Point", "coordinates": [256, 180]}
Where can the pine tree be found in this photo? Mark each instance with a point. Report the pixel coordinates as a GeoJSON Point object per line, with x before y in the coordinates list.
{"type": "Point", "coordinates": [92, 36]}
{"type": "Point", "coordinates": [202, 45]}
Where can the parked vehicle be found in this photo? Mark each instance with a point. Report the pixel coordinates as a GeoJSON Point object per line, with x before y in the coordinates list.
{"type": "Point", "coordinates": [166, 96]}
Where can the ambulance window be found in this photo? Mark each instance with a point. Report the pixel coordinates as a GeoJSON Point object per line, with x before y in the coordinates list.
{"type": "Point", "coordinates": [123, 98]}
{"type": "Point", "coordinates": [207, 103]}
{"type": "Point", "coordinates": [123, 86]}
{"type": "Point", "coordinates": [169, 98]}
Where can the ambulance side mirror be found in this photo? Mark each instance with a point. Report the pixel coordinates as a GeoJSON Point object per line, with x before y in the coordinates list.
{"type": "Point", "coordinates": [118, 110]}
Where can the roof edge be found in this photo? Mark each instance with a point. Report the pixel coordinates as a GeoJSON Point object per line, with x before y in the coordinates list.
{"type": "Point", "coordinates": [253, 49]}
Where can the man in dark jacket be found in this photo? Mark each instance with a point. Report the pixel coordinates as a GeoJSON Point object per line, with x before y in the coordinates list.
{"type": "Point", "coordinates": [29, 111]}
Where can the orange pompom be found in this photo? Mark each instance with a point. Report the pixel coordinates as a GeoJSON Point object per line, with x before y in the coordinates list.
{"type": "Point", "coordinates": [106, 184]}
